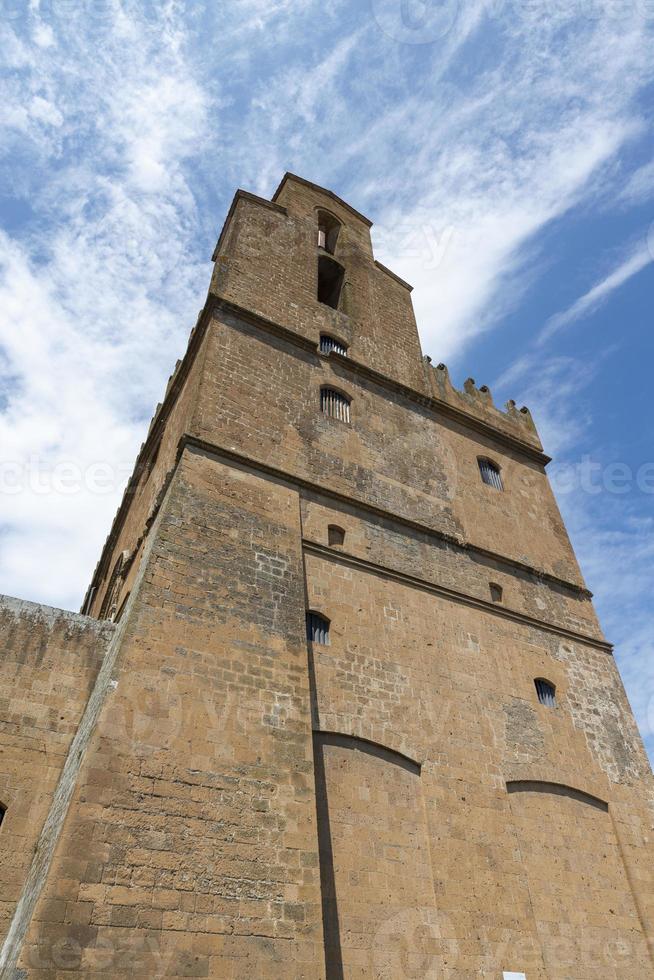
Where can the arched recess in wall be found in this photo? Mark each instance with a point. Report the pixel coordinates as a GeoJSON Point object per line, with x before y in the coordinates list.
{"type": "Point", "coordinates": [371, 830]}
{"type": "Point", "coordinates": [109, 606]}
{"type": "Point", "coordinates": [331, 276]}
{"type": "Point", "coordinates": [329, 228]}
{"type": "Point", "coordinates": [575, 874]}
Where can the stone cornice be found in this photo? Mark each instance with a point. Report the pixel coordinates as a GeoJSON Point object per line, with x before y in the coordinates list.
{"type": "Point", "coordinates": [348, 363]}
{"type": "Point", "coordinates": [393, 275]}
{"type": "Point", "coordinates": [321, 190]}
{"type": "Point", "coordinates": [258, 466]}
{"type": "Point", "coordinates": [345, 558]}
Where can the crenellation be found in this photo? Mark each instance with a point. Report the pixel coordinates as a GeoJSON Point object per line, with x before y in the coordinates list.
{"type": "Point", "coordinates": [479, 403]}
{"type": "Point", "coordinates": [212, 785]}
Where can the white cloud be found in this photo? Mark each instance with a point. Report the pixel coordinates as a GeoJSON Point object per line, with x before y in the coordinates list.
{"type": "Point", "coordinates": [137, 123]}
{"type": "Point", "coordinates": [97, 302]}
{"type": "Point", "coordinates": [45, 111]}
{"type": "Point", "coordinates": [600, 292]}
{"type": "Point", "coordinates": [522, 144]}
{"type": "Point", "coordinates": [639, 186]}
{"type": "Point", "coordinates": [612, 532]}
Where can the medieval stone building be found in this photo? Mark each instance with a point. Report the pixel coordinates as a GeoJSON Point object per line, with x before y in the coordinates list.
{"type": "Point", "coordinates": [338, 704]}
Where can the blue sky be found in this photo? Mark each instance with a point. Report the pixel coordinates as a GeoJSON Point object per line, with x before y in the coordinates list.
{"type": "Point", "coordinates": [504, 150]}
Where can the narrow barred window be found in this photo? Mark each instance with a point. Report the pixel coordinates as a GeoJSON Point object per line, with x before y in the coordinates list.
{"type": "Point", "coordinates": [546, 692]}
{"type": "Point", "coordinates": [335, 404]}
{"type": "Point", "coordinates": [317, 628]}
{"type": "Point", "coordinates": [490, 474]}
{"type": "Point", "coordinates": [328, 344]}
{"type": "Point", "coordinates": [3, 810]}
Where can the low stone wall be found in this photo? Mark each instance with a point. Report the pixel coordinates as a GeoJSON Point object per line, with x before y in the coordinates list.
{"type": "Point", "coordinates": [49, 659]}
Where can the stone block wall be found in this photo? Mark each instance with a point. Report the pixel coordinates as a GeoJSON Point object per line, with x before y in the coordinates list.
{"type": "Point", "coordinates": [525, 805]}
{"type": "Point", "coordinates": [195, 801]}
{"type": "Point", "coordinates": [49, 660]}
{"type": "Point", "coordinates": [393, 803]}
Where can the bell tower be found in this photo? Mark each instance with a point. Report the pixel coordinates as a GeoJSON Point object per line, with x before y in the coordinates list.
{"type": "Point", "coordinates": [340, 704]}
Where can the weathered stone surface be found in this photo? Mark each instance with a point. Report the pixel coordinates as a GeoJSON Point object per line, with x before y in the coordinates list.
{"type": "Point", "coordinates": [49, 660]}
{"type": "Point", "coordinates": [216, 797]}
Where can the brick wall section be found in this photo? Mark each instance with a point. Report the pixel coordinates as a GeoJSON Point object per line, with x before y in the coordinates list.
{"type": "Point", "coordinates": [478, 403]}
{"type": "Point", "coordinates": [415, 553]}
{"type": "Point", "coordinates": [592, 930]}
{"type": "Point", "coordinates": [261, 397]}
{"type": "Point", "coordinates": [454, 688]}
{"type": "Point", "coordinates": [144, 494]}
{"type": "Point", "coordinates": [269, 265]}
{"type": "Point", "coordinates": [195, 808]}
{"type": "Point", "coordinates": [48, 662]}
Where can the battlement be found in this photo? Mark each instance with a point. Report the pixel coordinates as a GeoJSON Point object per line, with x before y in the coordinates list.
{"type": "Point", "coordinates": [478, 401]}
{"type": "Point", "coordinates": [337, 585]}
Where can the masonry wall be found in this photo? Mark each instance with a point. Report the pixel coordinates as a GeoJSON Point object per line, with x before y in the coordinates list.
{"type": "Point", "coordinates": [48, 662]}
{"type": "Point", "coordinates": [190, 847]}
{"type": "Point", "coordinates": [537, 880]}
{"type": "Point", "coordinates": [261, 398]}
{"type": "Point", "coordinates": [395, 803]}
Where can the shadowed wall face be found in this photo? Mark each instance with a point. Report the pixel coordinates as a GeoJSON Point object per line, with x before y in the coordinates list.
{"type": "Point", "coordinates": [49, 660]}
{"type": "Point", "coordinates": [376, 869]}
{"type": "Point", "coordinates": [583, 907]}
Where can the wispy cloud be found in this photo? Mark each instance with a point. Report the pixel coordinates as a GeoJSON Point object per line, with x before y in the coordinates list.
{"type": "Point", "coordinates": [639, 186]}
{"type": "Point", "coordinates": [523, 142]}
{"type": "Point", "coordinates": [125, 133]}
{"type": "Point", "coordinates": [97, 294]}
{"type": "Point", "coordinates": [635, 262]}
{"type": "Point", "coordinates": [609, 521]}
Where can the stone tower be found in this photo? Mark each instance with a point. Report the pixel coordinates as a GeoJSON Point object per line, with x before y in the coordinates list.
{"type": "Point", "coordinates": [338, 704]}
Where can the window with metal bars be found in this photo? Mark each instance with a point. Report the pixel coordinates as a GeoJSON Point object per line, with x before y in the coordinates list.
{"type": "Point", "coordinates": [546, 692]}
{"type": "Point", "coordinates": [335, 404]}
{"type": "Point", "coordinates": [328, 344]}
{"type": "Point", "coordinates": [490, 474]}
{"type": "Point", "coordinates": [317, 628]}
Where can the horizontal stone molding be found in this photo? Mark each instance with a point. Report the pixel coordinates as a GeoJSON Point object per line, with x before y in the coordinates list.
{"type": "Point", "coordinates": [258, 466]}
{"type": "Point", "coordinates": [353, 561]}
